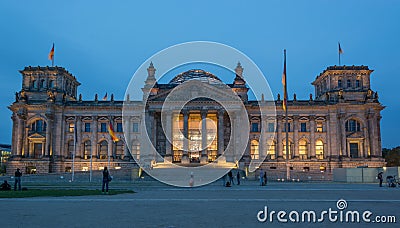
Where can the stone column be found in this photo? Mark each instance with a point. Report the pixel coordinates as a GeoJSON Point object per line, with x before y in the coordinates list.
{"type": "Point", "coordinates": [128, 134]}
{"type": "Point", "coordinates": [263, 138]}
{"type": "Point", "coordinates": [327, 147]}
{"type": "Point", "coordinates": [14, 136]}
{"type": "Point", "coordinates": [378, 152]}
{"type": "Point", "coordinates": [220, 131]}
{"type": "Point", "coordinates": [94, 137]}
{"type": "Point", "coordinates": [343, 135]}
{"type": "Point", "coordinates": [296, 136]}
{"type": "Point", "coordinates": [312, 137]}
{"type": "Point", "coordinates": [78, 136]}
{"type": "Point", "coordinates": [279, 144]}
{"type": "Point", "coordinates": [20, 135]}
{"type": "Point", "coordinates": [185, 158]}
{"type": "Point", "coordinates": [168, 139]}
{"type": "Point", "coordinates": [371, 132]}
{"type": "Point", "coordinates": [204, 156]}
{"type": "Point", "coordinates": [48, 136]}
{"type": "Point", "coordinates": [25, 149]}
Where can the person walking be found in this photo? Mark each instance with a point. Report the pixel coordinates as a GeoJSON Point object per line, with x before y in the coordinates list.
{"type": "Point", "coordinates": [238, 177]}
{"type": "Point", "coordinates": [380, 177]}
{"type": "Point", "coordinates": [106, 180]}
{"type": "Point", "coordinates": [265, 178]}
{"type": "Point", "coordinates": [230, 175]}
{"type": "Point", "coordinates": [17, 177]}
{"type": "Point", "coordinates": [261, 177]}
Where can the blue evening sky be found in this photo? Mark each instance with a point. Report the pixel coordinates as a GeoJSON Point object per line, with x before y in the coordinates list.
{"type": "Point", "coordinates": [104, 42]}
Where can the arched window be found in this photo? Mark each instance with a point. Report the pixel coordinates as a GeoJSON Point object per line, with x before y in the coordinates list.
{"type": "Point", "coordinates": [103, 149]}
{"type": "Point", "coordinates": [352, 126]}
{"type": "Point", "coordinates": [319, 149]}
{"type": "Point", "coordinates": [119, 151]}
{"type": "Point", "coordinates": [87, 149]}
{"type": "Point", "coordinates": [254, 149]}
{"type": "Point", "coordinates": [303, 149]}
{"type": "Point", "coordinates": [71, 148]}
{"type": "Point", "coordinates": [38, 126]}
{"type": "Point", "coordinates": [271, 148]}
{"type": "Point", "coordinates": [284, 149]}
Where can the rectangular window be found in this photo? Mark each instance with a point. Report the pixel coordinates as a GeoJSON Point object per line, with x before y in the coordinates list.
{"type": "Point", "coordinates": [135, 127]}
{"type": "Point", "coordinates": [71, 127]}
{"type": "Point", "coordinates": [339, 83]}
{"type": "Point", "coordinates": [254, 127]}
{"type": "Point", "coordinates": [103, 127]}
{"type": "Point", "coordinates": [87, 127]}
{"type": "Point", "coordinates": [354, 150]}
{"type": "Point", "coordinates": [119, 127]}
{"type": "Point", "coordinates": [357, 83]}
{"type": "Point", "coordinates": [319, 127]}
{"type": "Point", "coordinates": [348, 83]}
{"type": "Point", "coordinates": [271, 127]}
{"type": "Point", "coordinates": [303, 127]}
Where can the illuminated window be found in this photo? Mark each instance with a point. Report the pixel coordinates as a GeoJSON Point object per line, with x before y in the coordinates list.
{"type": "Point", "coordinates": [319, 149]}
{"type": "Point", "coordinates": [319, 127]}
{"type": "Point", "coordinates": [254, 149]}
{"type": "Point", "coordinates": [103, 149]}
{"type": "Point", "coordinates": [284, 149]}
{"type": "Point", "coordinates": [87, 149]}
{"type": "Point", "coordinates": [71, 127]}
{"type": "Point", "coordinates": [271, 150]}
{"type": "Point", "coordinates": [303, 149]}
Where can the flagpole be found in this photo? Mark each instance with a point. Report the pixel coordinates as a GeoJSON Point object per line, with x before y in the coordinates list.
{"type": "Point", "coordinates": [52, 59]}
{"type": "Point", "coordinates": [286, 120]}
{"type": "Point", "coordinates": [91, 164]}
{"type": "Point", "coordinates": [73, 155]}
{"type": "Point", "coordinates": [339, 58]}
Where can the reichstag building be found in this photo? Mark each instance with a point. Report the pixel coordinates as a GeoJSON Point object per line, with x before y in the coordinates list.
{"type": "Point", "coordinates": [338, 126]}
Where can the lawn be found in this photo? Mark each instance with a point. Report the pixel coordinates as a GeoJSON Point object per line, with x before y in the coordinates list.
{"type": "Point", "coordinates": [57, 193]}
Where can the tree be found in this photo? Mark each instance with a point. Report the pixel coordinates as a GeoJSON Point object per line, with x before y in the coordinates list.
{"type": "Point", "coordinates": [392, 156]}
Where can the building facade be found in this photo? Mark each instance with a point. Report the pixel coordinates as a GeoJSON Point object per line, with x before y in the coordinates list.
{"type": "Point", "coordinates": [340, 127]}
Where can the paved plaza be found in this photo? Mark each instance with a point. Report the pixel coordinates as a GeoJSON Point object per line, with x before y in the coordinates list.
{"type": "Point", "coordinates": [158, 205]}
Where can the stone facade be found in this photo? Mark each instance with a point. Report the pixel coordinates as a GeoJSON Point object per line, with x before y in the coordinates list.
{"type": "Point", "coordinates": [53, 126]}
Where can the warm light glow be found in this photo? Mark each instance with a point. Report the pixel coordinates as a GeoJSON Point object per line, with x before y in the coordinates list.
{"type": "Point", "coordinates": [117, 167]}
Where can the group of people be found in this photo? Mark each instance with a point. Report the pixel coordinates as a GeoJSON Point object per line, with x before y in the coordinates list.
{"type": "Point", "coordinates": [230, 182]}
{"type": "Point", "coordinates": [5, 186]}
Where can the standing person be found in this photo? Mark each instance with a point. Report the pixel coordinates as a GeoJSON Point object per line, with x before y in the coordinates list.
{"type": "Point", "coordinates": [380, 177]}
{"type": "Point", "coordinates": [106, 179]}
{"type": "Point", "coordinates": [238, 177]}
{"type": "Point", "coordinates": [261, 177]}
{"type": "Point", "coordinates": [230, 175]}
{"type": "Point", "coordinates": [191, 181]}
{"type": "Point", "coordinates": [265, 177]}
{"type": "Point", "coordinates": [17, 177]}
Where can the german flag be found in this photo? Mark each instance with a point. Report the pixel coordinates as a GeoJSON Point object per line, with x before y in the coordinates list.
{"type": "Point", "coordinates": [51, 54]}
{"type": "Point", "coordinates": [112, 133]}
{"type": "Point", "coordinates": [284, 105]}
{"type": "Point", "coordinates": [340, 49]}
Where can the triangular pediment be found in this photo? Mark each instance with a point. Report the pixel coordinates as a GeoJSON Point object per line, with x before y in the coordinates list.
{"type": "Point", "coordinates": [36, 136]}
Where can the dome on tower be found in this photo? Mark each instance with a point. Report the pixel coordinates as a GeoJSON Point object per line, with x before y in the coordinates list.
{"type": "Point", "coordinates": [196, 74]}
